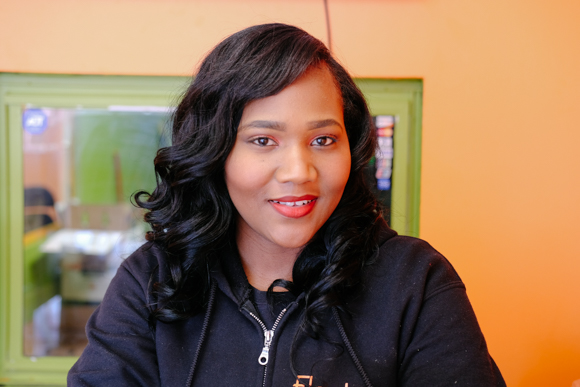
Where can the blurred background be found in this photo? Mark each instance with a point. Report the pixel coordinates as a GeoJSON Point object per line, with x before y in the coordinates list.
{"type": "Point", "coordinates": [499, 183]}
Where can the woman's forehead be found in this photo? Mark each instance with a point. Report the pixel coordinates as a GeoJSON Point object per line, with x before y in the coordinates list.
{"type": "Point", "coordinates": [313, 97]}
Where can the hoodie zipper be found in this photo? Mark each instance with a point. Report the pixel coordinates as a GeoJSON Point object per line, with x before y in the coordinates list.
{"type": "Point", "coordinates": [268, 336]}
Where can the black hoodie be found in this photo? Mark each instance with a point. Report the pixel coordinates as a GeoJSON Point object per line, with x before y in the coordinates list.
{"type": "Point", "coordinates": [410, 325]}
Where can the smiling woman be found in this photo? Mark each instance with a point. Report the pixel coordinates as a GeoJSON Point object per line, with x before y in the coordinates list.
{"type": "Point", "coordinates": [269, 261]}
{"type": "Point", "coordinates": [286, 173]}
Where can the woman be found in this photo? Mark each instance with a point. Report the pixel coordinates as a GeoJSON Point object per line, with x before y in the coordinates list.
{"type": "Point", "coordinates": [269, 262]}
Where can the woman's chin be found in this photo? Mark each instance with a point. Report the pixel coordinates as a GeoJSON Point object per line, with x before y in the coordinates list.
{"type": "Point", "coordinates": [292, 242]}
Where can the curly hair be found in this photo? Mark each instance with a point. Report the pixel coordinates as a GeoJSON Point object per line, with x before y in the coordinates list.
{"type": "Point", "coordinates": [190, 212]}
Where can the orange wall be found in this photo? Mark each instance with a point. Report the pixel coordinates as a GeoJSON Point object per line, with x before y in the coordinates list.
{"type": "Point", "coordinates": [501, 166]}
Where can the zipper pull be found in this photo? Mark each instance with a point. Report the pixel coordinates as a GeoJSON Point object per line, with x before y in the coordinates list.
{"type": "Point", "coordinates": [263, 359]}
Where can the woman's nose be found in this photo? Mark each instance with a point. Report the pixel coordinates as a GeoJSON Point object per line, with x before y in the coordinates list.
{"type": "Point", "coordinates": [296, 165]}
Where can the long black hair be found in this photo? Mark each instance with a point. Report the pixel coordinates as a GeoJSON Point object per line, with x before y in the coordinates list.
{"type": "Point", "coordinates": [190, 212]}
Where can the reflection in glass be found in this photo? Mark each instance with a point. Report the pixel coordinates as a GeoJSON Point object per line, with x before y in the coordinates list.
{"type": "Point", "coordinates": [80, 168]}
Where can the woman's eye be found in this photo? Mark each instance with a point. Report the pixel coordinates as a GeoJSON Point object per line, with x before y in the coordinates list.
{"type": "Point", "coordinates": [263, 141]}
{"type": "Point", "coordinates": [323, 141]}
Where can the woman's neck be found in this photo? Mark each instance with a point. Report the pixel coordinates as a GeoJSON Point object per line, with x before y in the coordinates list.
{"type": "Point", "coordinates": [264, 263]}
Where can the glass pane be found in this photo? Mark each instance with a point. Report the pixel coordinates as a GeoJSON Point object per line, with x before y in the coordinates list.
{"type": "Point", "coordinates": [380, 171]}
{"type": "Point", "coordinates": [80, 168]}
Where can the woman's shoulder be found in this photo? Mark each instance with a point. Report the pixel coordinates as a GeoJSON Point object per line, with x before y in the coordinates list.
{"type": "Point", "coordinates": [148, 259]}
{"type": "Point", "coordinates": [409, 249]}
{"type": "Point", "coordinates": [414, 265]}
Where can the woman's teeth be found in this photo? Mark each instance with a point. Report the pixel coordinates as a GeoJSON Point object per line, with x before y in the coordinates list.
{"type": "Point", "coordinates": [294, 204]}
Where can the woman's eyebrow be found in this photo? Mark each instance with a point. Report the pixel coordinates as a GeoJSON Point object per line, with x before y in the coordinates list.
{"type": "Point", "coordinates": [275, 125]}
{"type": "Point", "coordinates": [264, 124]}
{"type": "Point", "coordinates": [323, 124]}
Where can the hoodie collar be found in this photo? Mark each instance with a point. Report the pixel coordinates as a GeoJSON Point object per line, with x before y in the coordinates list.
{"type": "Point", "coordinates": [229, 274]}
{"type": "Point", "coordinates": [231, 277]}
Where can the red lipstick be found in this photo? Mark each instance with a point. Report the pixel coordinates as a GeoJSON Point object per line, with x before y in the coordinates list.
{"type": "Point", "coordinates": [294, 206]}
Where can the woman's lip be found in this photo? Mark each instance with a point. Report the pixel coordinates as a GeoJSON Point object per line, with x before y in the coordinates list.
{"type": "Point", "coordinates": [295, 198]}
{"type": "Point", "coordinates": [296, 210]}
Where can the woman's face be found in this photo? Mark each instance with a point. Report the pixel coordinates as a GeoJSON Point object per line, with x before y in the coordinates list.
{"type": "Point", "coordinates": [290, 163]}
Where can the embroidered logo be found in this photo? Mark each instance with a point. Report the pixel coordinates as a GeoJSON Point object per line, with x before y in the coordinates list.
{"type": "Point", "coordinates": [307, 378]}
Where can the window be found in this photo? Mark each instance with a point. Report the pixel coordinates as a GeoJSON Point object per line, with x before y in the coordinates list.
{"type": "Point", "coordinates": [402, 100]}
{"type": "Point", "coordinates": [72, 151]}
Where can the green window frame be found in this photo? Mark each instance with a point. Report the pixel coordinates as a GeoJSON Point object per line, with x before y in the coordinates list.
{"type": "Point", "coordinates": [400, 98]}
